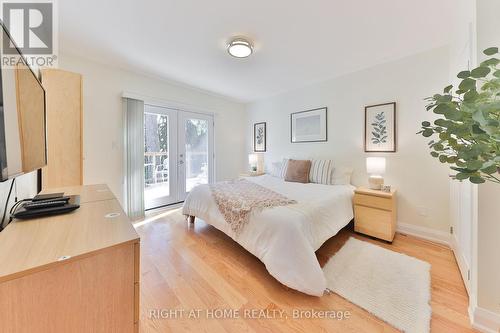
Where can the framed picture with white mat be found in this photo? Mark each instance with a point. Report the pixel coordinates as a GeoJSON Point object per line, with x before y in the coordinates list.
{"type": "Point", "coordinates": [380, 128]}
{"type": "Point", "coordinates": [309, 126]}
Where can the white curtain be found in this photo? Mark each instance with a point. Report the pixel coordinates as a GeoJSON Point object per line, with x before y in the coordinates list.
{"type": "Point", "coordinates": [134, 156]}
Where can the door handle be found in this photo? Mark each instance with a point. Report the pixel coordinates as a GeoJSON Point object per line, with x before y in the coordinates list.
{"type": "Point", "coordinates": [181, 162]}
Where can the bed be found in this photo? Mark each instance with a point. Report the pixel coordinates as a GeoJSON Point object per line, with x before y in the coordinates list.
{"type": "Point", "coordinates": [285, 238]}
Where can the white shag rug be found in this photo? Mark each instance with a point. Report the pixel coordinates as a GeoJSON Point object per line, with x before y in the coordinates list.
{"type": "Point", "coordinates": [392, 286]}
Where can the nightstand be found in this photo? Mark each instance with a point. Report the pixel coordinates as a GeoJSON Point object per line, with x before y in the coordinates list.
{"type": "Point", "coordinates": [375, 213]}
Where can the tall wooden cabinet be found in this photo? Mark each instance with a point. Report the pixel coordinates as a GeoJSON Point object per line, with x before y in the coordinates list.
{"type": "Point", "coordinates": [64, 100]}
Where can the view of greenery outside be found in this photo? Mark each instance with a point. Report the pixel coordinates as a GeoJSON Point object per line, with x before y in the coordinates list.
{"type": "Point", "coordinates": [156, 140]}
{"type": "Point", "coordinates": [163, 133]}
{"type": "Point", "coordinates": [196, 131]}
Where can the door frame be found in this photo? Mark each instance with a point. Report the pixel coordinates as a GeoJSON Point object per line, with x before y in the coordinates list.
{"type": "Point", "coordinates": [463, 232]}
{"type": "Point", "coordinates": [183, 107]}
{"type": "Point", "coordinates": [169, 104]}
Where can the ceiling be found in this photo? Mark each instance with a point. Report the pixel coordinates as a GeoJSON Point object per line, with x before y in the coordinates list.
{"type": "Point", "coordinates": [296, 42]}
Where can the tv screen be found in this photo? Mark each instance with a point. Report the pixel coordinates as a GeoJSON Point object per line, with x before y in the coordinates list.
{"type": "Point", "coordinates": [22, 113]}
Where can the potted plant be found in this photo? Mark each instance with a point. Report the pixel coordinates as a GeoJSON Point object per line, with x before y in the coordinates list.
{"type": "Point", "coordinates": [467, 134]}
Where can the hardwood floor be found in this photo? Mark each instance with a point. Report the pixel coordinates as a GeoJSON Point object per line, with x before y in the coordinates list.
{"type": "Point", "coordinates": [188, 269]}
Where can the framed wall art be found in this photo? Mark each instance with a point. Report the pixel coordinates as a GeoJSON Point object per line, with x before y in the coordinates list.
{"type": "Point", "coordinates": [259, 137]}
{"type": "Point", "coordinates": [380, 128]}
{"type": "Point", "coordinates": [309, 126]}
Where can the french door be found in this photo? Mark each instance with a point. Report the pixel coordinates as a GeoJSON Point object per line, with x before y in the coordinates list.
{"type": "Point", "coordinates": [196, 151]}
{"type": "Point", "coordinates": [178, 154]}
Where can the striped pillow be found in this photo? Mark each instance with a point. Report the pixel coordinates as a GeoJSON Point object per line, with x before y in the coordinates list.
{"type": "Point", "coordinates": [321, 172]}
{"type": "Point", "coordinates": [284, 167]}
{"type": "Point", "coordinates": [276, 169]}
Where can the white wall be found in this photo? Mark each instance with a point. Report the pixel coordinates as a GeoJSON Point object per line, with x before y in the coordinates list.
{"type": "Point", "coordinates": [421, 181]}
{"type": "Point", "coordinates": [103, 131]}
{"type": "Point", "coordinates": [488, 35]}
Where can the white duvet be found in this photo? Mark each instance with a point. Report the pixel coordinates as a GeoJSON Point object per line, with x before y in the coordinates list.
{"type": "Point", "coordinates": [285, 238]}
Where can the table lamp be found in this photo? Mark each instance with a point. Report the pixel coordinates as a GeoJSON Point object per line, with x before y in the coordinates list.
{"type": "Point", "coordinates": [375, 167]}
{"type": "Point", "coordinates": [253, 160]}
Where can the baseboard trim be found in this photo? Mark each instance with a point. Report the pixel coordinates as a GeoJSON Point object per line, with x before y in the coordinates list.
{"type": "Point", "coordinates": [484, 320]}
{"type": "Point", "coordinates": [481, 319]}
{"type": "Point", "coordinates": [429, 234]}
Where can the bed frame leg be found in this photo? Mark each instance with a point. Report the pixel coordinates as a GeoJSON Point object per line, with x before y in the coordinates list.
{"type": "Point", "coordinates": [191, 219]}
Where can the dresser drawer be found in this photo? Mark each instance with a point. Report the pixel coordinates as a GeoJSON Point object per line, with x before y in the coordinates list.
{"type": "Point", "coordinates": [373, 201]}
{"type": "Point", "coordinates": [374, 222]}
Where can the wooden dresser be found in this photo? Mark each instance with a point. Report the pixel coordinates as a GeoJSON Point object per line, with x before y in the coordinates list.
{"type": "Point", "coordinates": [77, 272]}
{"type": "Point", "coordinates": [375, 213]}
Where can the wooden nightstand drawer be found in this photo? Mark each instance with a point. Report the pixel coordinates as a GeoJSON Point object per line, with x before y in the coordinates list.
{"type": "Point", "coordinates": [375, 213]}
{"type": "Point", "coordinates": [374, 222]}
{"type": "Point", "coordinates": [373, 201]}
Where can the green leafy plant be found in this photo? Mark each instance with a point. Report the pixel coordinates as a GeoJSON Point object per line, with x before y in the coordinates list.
{"type": "Point", "coordinates": [379, 130]}
{"type": "Point", "coordinates": [467, 134]}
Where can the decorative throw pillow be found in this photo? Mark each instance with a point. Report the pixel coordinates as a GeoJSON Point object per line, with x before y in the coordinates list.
{"type": "Point", "coordinates": [276, 169]}
{"type": "Point", "coordinates": [284, 166]}
{"type": "Point", "coordinates": [298, 171]}
{"type": "Point", "coordinates": [321, 172]}
{"type": "Point", "coordinates": [342, 176]}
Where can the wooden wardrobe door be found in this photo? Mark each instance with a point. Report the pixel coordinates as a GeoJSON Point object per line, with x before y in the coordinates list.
{"type": "Point", "coordinates": [64, 128]}
{"type": "Point", "coordinates": [30, 119]}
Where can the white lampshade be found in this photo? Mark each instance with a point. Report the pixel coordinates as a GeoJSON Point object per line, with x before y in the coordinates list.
{"type": "Point", "coordinates": [375, 165]}
{"type": "Point", "coordinates": [253, 159]}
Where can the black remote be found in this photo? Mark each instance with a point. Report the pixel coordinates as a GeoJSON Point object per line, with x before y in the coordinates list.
{"type": "Point", "coordinates": [44, 204]}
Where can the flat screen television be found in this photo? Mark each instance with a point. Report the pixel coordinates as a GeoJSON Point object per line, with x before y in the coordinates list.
{"type": "Point", "coordinates": [23, 145]}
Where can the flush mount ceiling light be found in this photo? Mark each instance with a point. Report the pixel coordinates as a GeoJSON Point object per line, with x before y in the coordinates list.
{"type": "Point", "coordinates": [240, 48]}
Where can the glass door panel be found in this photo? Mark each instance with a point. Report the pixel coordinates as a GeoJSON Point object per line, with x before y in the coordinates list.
{"type": "Point", "coordinates": [160, 156]}
{"type": "Point", "coordinates": [195, 151]}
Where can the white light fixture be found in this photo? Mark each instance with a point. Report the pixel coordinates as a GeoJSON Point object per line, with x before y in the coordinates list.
{"type": "Point", "coordinates": [240, 48]}
{"type": "Point", "coordinates": [375, 167]}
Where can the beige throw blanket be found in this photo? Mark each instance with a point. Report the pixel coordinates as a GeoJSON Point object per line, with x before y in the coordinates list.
{"type": "Point", "coordinates": [237, 199]}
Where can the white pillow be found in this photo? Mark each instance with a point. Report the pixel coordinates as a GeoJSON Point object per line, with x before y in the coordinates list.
{"type": "Point", "coordinates": [284, 166]}
{"type": "Point", "coordinates": [342, 175]}
{"type": "Point", "coordinates": [321, 172]}
{"type": "Point", "coordinates": [276, 169]}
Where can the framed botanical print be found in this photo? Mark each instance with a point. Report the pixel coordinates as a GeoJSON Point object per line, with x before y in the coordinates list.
{"type": "Point", "coordinates": [309, 126]}
{"type": "Point", "coordinates": [259, 137]}
{"type": "Point", "coordinates": [380, 128]}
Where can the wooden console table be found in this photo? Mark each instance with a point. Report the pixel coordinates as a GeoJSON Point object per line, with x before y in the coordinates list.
{"type": "Point", "coordinates": [77, 272]}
